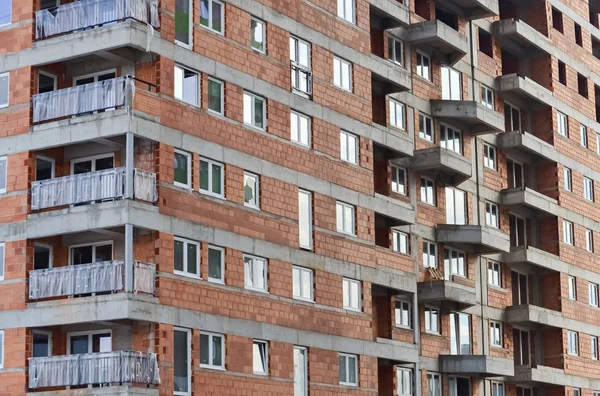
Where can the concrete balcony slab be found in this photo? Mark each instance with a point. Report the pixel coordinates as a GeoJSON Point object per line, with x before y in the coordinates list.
{"type": "Point", "coordinates": [477, 119]}
{"type": "Point", "coordinates": [476, 365]}
{"type": "Point", "coordinates": [447, 166]}
{"type": "Point", "coordinates": [545, 376]}
{"type": "Point", "coordinates": [475, 9]}
{"type": "Point", "coordinates": [454, 295]}
{"type": "Point", "coordinates": [473, 238]}
{"type": "Point", "coordinates": [439, 37]}
{"type": "Point", "coordinates": [524, 88]}
{"type": "Point", "coordinates": [519, 255]}
{"type": "Point", "coordinates": [388, 77]}
{"type": "Point", "coordinates": [520, 38]}
{"type": "Point", "coordinates": [104, 391]}
{"type": "Point", "coordinates": [526, 145]}
{"type": "Point", "coordinates": [533, 316]}
{"type": "Point", "coordinates": [388, 14]}
{"type": "Point", "coordinates": [542, 204]}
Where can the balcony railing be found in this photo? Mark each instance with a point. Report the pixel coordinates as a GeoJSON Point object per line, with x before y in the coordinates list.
{"type": "Point", "coordinates": [94, 368]}
{"type": "Point", "coordinates": [102, 185]}
{"type": "Point", "coordinates": [301, 79]}
{"type": "Point", "coordinates": [107, 276]}
{"type": "Point", "coordinates": [88, 13]}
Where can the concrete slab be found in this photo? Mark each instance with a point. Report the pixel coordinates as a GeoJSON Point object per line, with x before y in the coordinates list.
{"type": "Point", "coordinates": [526, 196]}
{"type": "Point", "coordinates": [447, 166]}
{"type": "Point", "coordinates": [519, 37]}
{"type": "Point", "coordinates": [476, 9]}
{"type": "Point", "coordinates": [389, 14]}
{"type": "Point", "coordinates": [473, 238]}
{"type": "Point", "coordinates": [527, 144]}
{"type": "Point", "coordinates": [440, 37]}
{"type": "Point", "coordinates": [526, 89]}
{"type": "Point", "coordinates": [545, 376]}
{"type": "Point", "coordinates": [123, 390]}
{"type": "Point", "coordinates": [444, 291]}
{"type": "Point", "coordinates": [478, 120]}
{"type": "Point", "coordinates": [476, 365]}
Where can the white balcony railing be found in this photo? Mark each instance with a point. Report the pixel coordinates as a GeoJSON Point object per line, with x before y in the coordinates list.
{"type": "Point", "coordinates": [107, 276]}
{"type": "Point", "coordinates": [86, 98]}
{"type": "Point", "coordinates": [93, 368]}
{"type": "Point", "coordinates": [102, 185]}
{"type": "Point", "coordinates": [88, 13]}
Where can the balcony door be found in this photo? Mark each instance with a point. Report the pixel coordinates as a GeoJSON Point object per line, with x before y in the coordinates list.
{"type": "Point", "coordinates": [95, 99]}
{"type": "Point", "coordinates": [521, 341]}
{"type": "Point", "coordinates": [460, 334]}
{"type": "Point", "coordinates": [95, 370]}
{"type": "Point", "coordinates": [94, 253]}
{"type": "Point", "coordinates": [520, 288]}
{"type": "Point", "coordinates": [518, 230]}
{"type": "Point", "coordinates": [92, 164]}
{"type": "Point", "coordinates": [515, 174]}
{"type": "Point", "coordinates": [86, 189]}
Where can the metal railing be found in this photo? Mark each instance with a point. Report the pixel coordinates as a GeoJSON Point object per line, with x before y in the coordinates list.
{"type": "Point", "coordinates": [108, 184]}
{"type": "Point", "coordinates": [115, 367]}
{"type": "Point", "coordinates": [301, 79]}
{"type": "Point", "coordinates": [89, 13]}
{"type": "Point", "coordinates": [106, 276]}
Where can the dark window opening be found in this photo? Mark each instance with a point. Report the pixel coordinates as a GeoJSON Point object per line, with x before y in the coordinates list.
{"type": "Point", "coordinates": [562, 73]}
{"type": "Point", "coordinates": [557, 20]}
{"type": "Point", "coordinates": [578, 35]}
{"type": "Point", "coordinates": [485, 43]}
{"type": "Point", "coordinates": [582, 85]}
{"type": "Point", "coordinates": [447, 18]}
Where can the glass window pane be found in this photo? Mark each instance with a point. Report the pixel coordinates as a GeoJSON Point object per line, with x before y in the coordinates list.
{"type": "Point", "coordinates": [41, 345]}
{"type": "Point", "coordinates": [258, 112]}
{"type": "Point", "coordinates": [204, 349]}
{"type": "Point", "coordinates": [182, 20]}
{"type": "Point", "coordinates": [217, 350]}
{"type": "Point", "coordinates": [296, 279]}
{"type": "Point", "coordinates": [352, 370]}
{"type": "Point", "coordinates": [306, 284]}
{"type": "Point", "coordinates": [247, 109]}
{"type": "Point", "coordinates": [180, 362]}
{"type": "Point", "coordinates": [215, 270]}
{"type": "Point", "coordinates": [343, 373]}
{"type": "Point", "coordinates": [181, 168]}
{"type": "Point", "coordinates": [216, 179]}
{"type": "Point", "coordinates": [204, 175]}
{"type": "Point", "coordinates": [215, 96]}
{"type": "Point", "coordinates": [192, 258]}
{"type": "Point", "coordinates": [217, 12]}
{"type": "Point", "coordinates": [178, 253]}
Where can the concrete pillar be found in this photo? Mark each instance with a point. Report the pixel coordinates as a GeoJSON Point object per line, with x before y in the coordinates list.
{"type": "Point", "coordinates": [129, 258]}
{"type": "Point", "coordinates": [129, 154]}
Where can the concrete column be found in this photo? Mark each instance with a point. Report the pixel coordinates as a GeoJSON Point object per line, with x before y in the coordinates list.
{"type": "Point", "coordinates": [129, 154]}
{"type": "Point", "coordinates": [129, 258]}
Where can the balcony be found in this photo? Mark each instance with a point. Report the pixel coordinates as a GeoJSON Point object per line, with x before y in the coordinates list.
{"type": "Point", "coordinates": [474, 9]}
{"type": "Point", "coordinates": [547, 376]}
{"type": "Point", "coordinates": [103, 277]}
{"type": "Point", "coordinates": [524, 144]}
{"type": "Point", "coordinates": [519, 38]}
{"type": "Point", "coordinates": [477, 119]}
{"type": "Point", "coordinates": [473, 238]}
{"type": "Point", "coordinates": [436, 35]}
{"type": "Point", "coordinates": [525, 89]}
{"type": "Point", "coordinates": [476, 365]}
{"type": "Point", "coordinates": [447, 166]}
{"type": "Point", "coordinates": [527, 197]}
{"type": "Point", "coordinates": [109, 184]}
{"type": "Point", "coordinates": [533, 316]}
{"type": "Point", "coordinates": [454, 295]}
{"type": "Point", "coordinates": [520, 255]}
{"type": "Point", "coordinates": [117, 367]}
{"type": "Point", "coordinates": [89, 13]}
{"type": "Point", "coordinates": [388, 14]}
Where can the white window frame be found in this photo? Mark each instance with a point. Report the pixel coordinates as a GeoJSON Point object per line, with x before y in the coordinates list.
{"type": "Point", "coordinates": [187, 242]}
{"type": "Point", "coordinates": [568, 233]}
{"type": "Point", "coordinates": [425, 198]}
{"type": "Point", "coordinates": [429, 322]}
{"type": "Point", "coordinates": [598, 143]}
{"type": "Point", "coordinates": [593, 294]}
{"type": "Point", "coordinates": [448, 265]}
{"type": "Point", "coordinates": [188, 359]}
{"type": "Point", "coordinates": [436, 379]}
{"type": "Point", "coordinates": [572, 343]}
{"type": "Point", "coordinates": [342, 10]}
{"type": "Point", "coordinates": [254, 260]}
{"type": "Point", "coordinates": [594, 348]}
{"type": "Point", "coordinates": [393, 55]}
{"type": "Point", "coordinates": [189, 173]}
{"type": "Point", "coordinates": [401, 306]}
{"type": "Point", "coordinates": [221, 98]}
{"type": "Point", "coordinates": [494, 268]}
{"type": "Point", "coordinates": [447, 138]}
{"type": "Point", "coordinates": [212, 163]}
{"type": "Point", "coordinates": [425, 134]}
{"type": "Point", "coordinates": [399, 183]}
{"type": "Point", "coordinates": [496, 329]}
{"type": "Point", "coordinates": [348, 297]}
{"type": "Point", "coordinates": [89, 334]}
{"type": "Point", "coordinates": [567, 182]}
{"type": "Point", "coordinates": [210, 350]}
{"type": "Point", "coordinates": [346, 156]}
{"type": "Point", "coordinates": [455, 214]}
{"type": "Point", "coordinates": [263, 27]}
{"type": "Point", "coordinates": [348, 357]}
{"type": "Point", "coordinates": [427, 245]}
{"type": "Point", "coordinates": [588, 189]}
{"type": "Point", "coordinates": [49, 75]}
{"type": "Point", "coordinates": [296, 120]}
{"type": "Point", "coordinates": [583, 140]}
{"type": "Point", "coordinates": [397, 114]}
{"type": "Point", "coordinates": [2, 349]}
{"type": "Point", "coordinates": [421, 71]}
{"type": "Point", "coordinates": [338, 73]}
{"type": "Point", "coordinates": [210, 17]}
{"type": "Point", "coordinates": [490, 157]}
{"type": "Point", "coordinates": [572, 285]}
{"type": "Point", "coordinates": [511, 120]}
{"type": "Point", "coordinates": [304, 352]}
{"type": "Point", "coordinates": [589, 240]}
{"type": "Point", "coordinates": [300, 69]}
{"type": "Point", "coordinates": [252, 110]}
{"type": "Point", "coordinates": [306, 221]}
{"type": "Point", "coordinates": [190, 29]}
{"type": "Point", "coordinates": [563, 124]}
{"type": "Point", "coordinates": [487, 97]}
{"type": "Point", "coordinates": [492, 214]}
{"type": "Point", "coordinates": [3, 188]}
{"type": "Point", "coordinates": [256, 354]}
{"type": "Point", "coordinates": [496, 386]}
{"type": "Point", "coordinates": [94, 246]}
{"type": "Point", "coordinates": [210, 278]}
{"type": "Point", "coordinates": [52, 161]}
{"type": "Point", "coordinates": [11, 16]}
{"type": "Point", "coordinates": [41, 332]}
{"type": "Point", "coordinates": [301, 270]}
{"type": "Point", "coordinates": [576, 391]}
{"type": "Point", "coordinates": [397, 237]}
{"type": "Point", "coordinates": [341, 208]}
{"type": "Point", "coordinates": [199, 79]}
{"type": "Point", "coordinates": [404, 388]}
{"type": "Point", "coordinates": [50, 250]}
{"type": "Point", "coordinates": [256, 178]}
{"type": "Point", "coordinates": [453, 92]}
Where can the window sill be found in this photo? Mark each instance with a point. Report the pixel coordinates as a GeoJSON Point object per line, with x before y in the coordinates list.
{"type": "Point", "coordinates": [251, 206]}
{"type": "Point", "coordinates": [428, 204]}
{"type": "Point", "coordinates": [181, 185]}
{"type": "Point", "coordinates": [256, 290]}
{"type": "Point", "coordinates": [216, 368]}
{"type": "Point", "coordinates": [213, 195]}
{"type": "Point", "coordinates": [400, 327]}
{"type": "Point", "coordinates": [216, 281]}
{"type": "Point", "coordinates": [437, 334]}
{"type": "Point", "coordinates": [187, 275]}
{"type": "Point", "coordinates": [263, 129]}
{"type": "Point", "coordinates": [210, 29]}
{"type": "Point", "coordinates": [497, 288]}
{"type": "Point", "coordinates": [184, 45]}
{"type": "Point", "coordinates": [348, 384]}
{"type": "Point", "coordinates": [353, 310]}
{"type": "Point", "coordinates": [306, 300]}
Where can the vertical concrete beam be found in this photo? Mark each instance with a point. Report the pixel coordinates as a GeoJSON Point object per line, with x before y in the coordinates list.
{"type": "Point", "coordinates": [129, 147]}
{"type": "Point", "coordinates": [129, 258]}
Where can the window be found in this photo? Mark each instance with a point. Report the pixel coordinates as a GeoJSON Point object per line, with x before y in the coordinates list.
{"type": "Point", "coordinates": [598, 143]}
{"type": "Point", "coordinates": [517, 227]}
{"type": "Point", "coordinates": [302, 283]}
{"type": "Point", "coordinates": [489, 156]}
{"type": "Point", "coordinates": [183, 23]}
{"type": "Point", "coordinates": [404, 378]}
{"type": "Point", "coordinates": [91, 253]}
{"type": "Point", "coordinates": [432, 320]}
{"type": "Point", "coordinates": [588, 189]}
{"type": "Point", "coordinates": [495, 334]}
{"type": "Point", "coordinates": [524, 391]}
{"type": "Point", "coordinates": [427, 191]}
{"type": "Point", "coordinates": [211, 15]}
{"type": "Point", "coordinates": [434, 384]}
{"type": "Point", "coordinates": [300, 371]}
{"type": "Point", "coordinates": [345, 10]}
{"type": "Point", "coordinates": [593, 294]}
{"type": "Point", "coordinates": [254, 111]}
{"type": "Point", "coordinates": [403, 313]}
{"type": "Point", "coordinates": [42, 256]}
{"type": "Point", "coordinates": [589, 240]}
{"type": "Point", "coordinates": [582, 85]}
{"type": "Point", "coordinates": [300, 64]}
{"type": "Point", "coordinates": [494, 274]}
{"type": "Point", "coordinates": [563, 128]}
{"type": "Point", "coordinates": [423, 65]}
{"type": "Point", "coordinates": [212, 350]}
{"type": "Point", "coordinates": [215, 95]}
{"type": "Point", "coordinates": [396, 50]}
{"type": "Point", "coordinates": [260, 357]}
{"type": "Point", "coordinates": [396, 114]}
{"type": "Point", "coordinates": [572, 343]}
{"type": "Point", "coordinates": [44, 168]}
{"type": "Point", "coordinates": [342, 74]}
{"type": "Point", "coordinates": [216, 264]}
{"type": "Point", "coordinates": [567, 178]}
{"type": "Point", "coordinates": [401, 242]}
{"type": "Point", "coordinates": [251, 190]}
{"type": "Point", "coordinates": [454, 262]}
{"type": "Point", "coordinates": [460, 334]}
{"type": "Point", "coordinates": [485, 42]}
{"type": "Point", "coordinates": [572, 288]}
{"type": "Point", "coordinates": [451, 84]}
{"type": "Point", "coordinates": [3, 174]}
{"type": "Point", "coordinates": [578, 35]}
{"type": "Point", "coordinates": [349, 147]}
{"type": "Point", "coordinates": [562, 73]}
{"type": "Point", "coordinates": [187, 86]}
{"type": "Point", "coordinates": [4, 85]}
{"type": "Point", "coordinates": [211, 177]}
{"type": "Point", "coordinates": [398, 180]}
{"type": "Point", "coordinates": [305, 219]}
{"type": "Point", "coordinates": [456, 206]}
{"type": "Point", "coordinates": [512, 118]}
{"type": "Point", "coordinates": [429, 255]}
{"type": "Point", "coordinates": [491, 214]}
{"type": "Point", "coordinates": [451, 139]}
{"type": "Point", "coordinates": [47, 82]}
{"type": "Point", "coordinates": [42, 344]}
{"type": "Point", "coordinates": [1, 263]}
{"type": "Point", "coordinates": [300, 125]}
{"type": "Point", "coordinates": [497, 389]}
{"type": "Point", "coordinates": [186, 257]}
{"type": "Point", "coordinates": [258, 33]}
{"type": "Point", "coordinates": [182, 346]}
{"type": "Point", "coordinates": [515, 174]}
{"type": "Point", "coordinates": [568, 232]}
{"type": "Point", "coordinates": [345, 217]}
{"type": "Point", "coordinates": [583, 135]}
{"type": "Point", "coordinates": [487, 96]}
{"type": "Point", "coordinates": [183, 169]}
{"type": "Point", "coordinates": [576, 392]}
{"type": "Point", "coordinates": [594, 347]}
{"type": "Point", "coordinates": [352, 294]}
{"type": "Point", "coordinates": [425, 127]}
{"type": "Point", "coordinates": [348, 369]}
{"type": "Point", "coordinates": [255, 273]}
{"type": "Point", "coordinates": [557, 20]}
